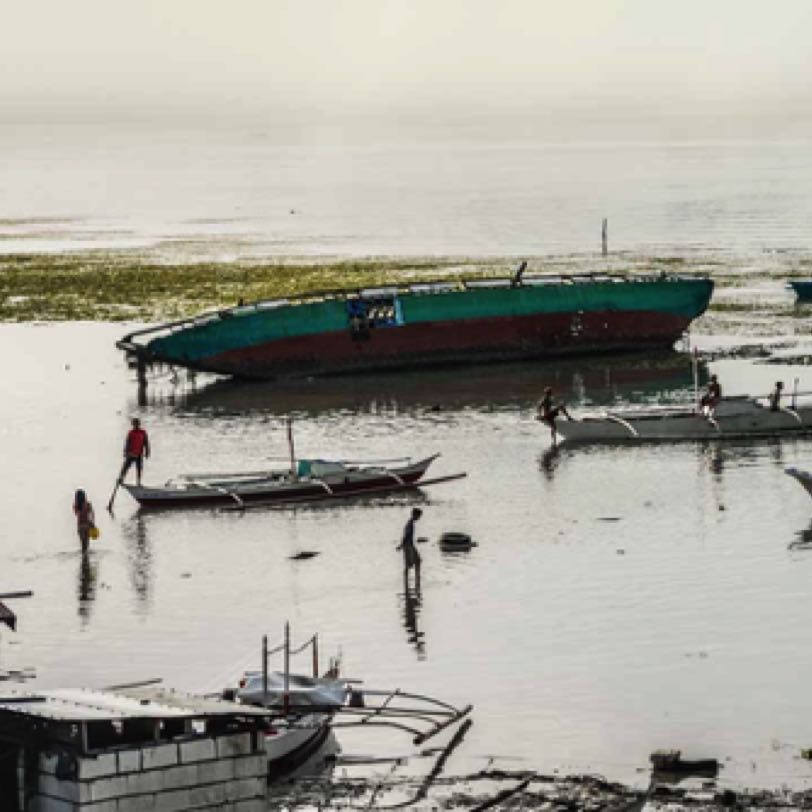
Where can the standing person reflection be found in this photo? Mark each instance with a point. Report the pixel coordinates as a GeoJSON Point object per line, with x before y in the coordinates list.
{"type": "Point", "coordinates": [412, 602]}
{"type": "Point", "coordinates": [87, 587]}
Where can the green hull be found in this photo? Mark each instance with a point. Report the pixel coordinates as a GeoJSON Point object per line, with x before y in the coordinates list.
{"type": "Point", "coordinates": [438, 321]}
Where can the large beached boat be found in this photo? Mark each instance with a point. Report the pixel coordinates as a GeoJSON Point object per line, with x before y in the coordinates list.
{"type": "Point", "coordinates": [441, 322]}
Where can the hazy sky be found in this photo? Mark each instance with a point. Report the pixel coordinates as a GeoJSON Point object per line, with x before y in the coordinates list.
{"type": "Point", "coordinates": [455, 68]}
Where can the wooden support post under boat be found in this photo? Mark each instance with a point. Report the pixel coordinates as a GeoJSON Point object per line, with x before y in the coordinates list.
{"type": "Point", "coordinates": [315, 656]}
{"type": "Point", "coordinates": [286, 694]}
{"type": "Point", "coordinates": [293, 474]}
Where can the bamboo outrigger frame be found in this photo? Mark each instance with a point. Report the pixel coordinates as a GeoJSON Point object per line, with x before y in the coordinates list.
{"type": "Point", "coordinates": [424, 718]}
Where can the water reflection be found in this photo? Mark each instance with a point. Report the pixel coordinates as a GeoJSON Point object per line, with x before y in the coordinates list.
{"type": "Point", "coordinates": [412, 601]}
{"type": "Point", "coordinates": [88, 571]}
{"type": "Point", "coordinates": [489, 387]}
{"type": "Point", "coordinates": [550, 460]}
{"type": "Point", "coordinates": [139, 558]}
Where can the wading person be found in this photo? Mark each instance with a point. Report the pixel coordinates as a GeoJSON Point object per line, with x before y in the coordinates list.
{"type": "Point", "coordinates": [85, 519]}
{"type": "Point", "coordinates": [411, 558]}
{"type": "Point", "coordinates": [775, 396]}
{"type": "Point", "coordinates": [136, 447]}
{"type": "Point", "coordinates": [713, 394]}
{"type": "Point", "coordinates": [548, 411]}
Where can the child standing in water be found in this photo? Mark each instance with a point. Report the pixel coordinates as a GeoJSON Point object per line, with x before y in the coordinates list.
{"type": "Point", "coordinates": [85, 518]}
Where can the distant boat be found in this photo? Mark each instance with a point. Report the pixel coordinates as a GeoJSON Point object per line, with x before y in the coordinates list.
{"type": "Point", "coordinates": [803, 290]}
{"type": "Point", "coordinates": [741, 416]}
{"type": "Point", "coordinates": [314, 480]}
{"type": "Point", "coordinates": [430, 323]}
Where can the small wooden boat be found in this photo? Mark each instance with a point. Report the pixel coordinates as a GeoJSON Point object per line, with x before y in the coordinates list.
{"type": "Point", "coordinates": [307, 480]}
{"type": "Point", "coordinates": [741, 416]}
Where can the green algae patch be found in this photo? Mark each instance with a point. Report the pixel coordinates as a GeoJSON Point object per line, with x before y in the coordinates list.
{"type": "Point", "coordinates": [110, 288]}
{"type": "Point", "coordinates": [125, 286]}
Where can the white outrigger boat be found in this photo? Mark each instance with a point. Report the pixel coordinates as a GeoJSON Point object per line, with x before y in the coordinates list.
{"type": "Point", "coordinates": [308, 707]}
{"type": "Point", "coordinates": [739, 416]}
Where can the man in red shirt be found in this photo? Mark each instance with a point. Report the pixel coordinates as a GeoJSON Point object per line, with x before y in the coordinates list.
{"type": "Point", "coordinates": [136, 447]}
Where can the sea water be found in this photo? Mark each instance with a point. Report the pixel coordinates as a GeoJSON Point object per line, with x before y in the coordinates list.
{"type": "Point", "coordinates": [620, 599]}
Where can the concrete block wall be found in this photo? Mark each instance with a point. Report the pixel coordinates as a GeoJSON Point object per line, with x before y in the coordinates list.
{"type": "Point", "coordinates": [225, 773]}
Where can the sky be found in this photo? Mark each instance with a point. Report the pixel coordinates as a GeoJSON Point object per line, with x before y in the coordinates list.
{"type": "Point", "coordinates": [494, 69]}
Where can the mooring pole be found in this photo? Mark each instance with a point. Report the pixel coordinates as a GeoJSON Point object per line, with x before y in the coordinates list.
{"type": "Point", "coordinates": [264, 667]}
{"type": "Point", "coordinates": [605, 237]}
{"type": "Point", "coordinates": [141, 371]}
{"type": "Point", "coordinates": [286, 694]}
{"type": "Point", "coordinates": [315, 656]}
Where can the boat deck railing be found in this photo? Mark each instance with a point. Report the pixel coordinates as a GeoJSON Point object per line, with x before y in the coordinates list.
{"type": "Point", "coordinates": [130, 344]}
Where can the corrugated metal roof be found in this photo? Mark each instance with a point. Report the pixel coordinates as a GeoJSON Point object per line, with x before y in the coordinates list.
{"type": "Point", "coordinates": [82, 705]}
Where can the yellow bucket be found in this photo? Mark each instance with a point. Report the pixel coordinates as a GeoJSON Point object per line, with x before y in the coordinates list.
{"type": "Point", "coordinates": [93, 532]}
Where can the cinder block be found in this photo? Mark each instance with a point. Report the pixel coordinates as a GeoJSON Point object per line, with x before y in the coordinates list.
{"type": "Point", "coordinates": [251, 805]}
{"type": "Point", "coordinates": [135, 803]}
{"type": "Point", "coordinates": [237, 745]}
{"type": "Point", "coordinates": [61, 790]}
{"type": "Point", "coordinates": [245, 788]}
{"type": "Point", "coordinates": [101, 766]}
{"type": "Point", "coordinates": [129, 761]}
{"type": "Point", "coordinates": [213, 772]}
{"type": "Point", "coordinates": [145, 782]}
{"type": "Point", "coordinates": [197, 750]}
{"type": "Point", "coordinates": [251, 766]}
{"type": "Point", "coordinates": [103, 788]}
{"type": "Point", "coordinates": [162, 755]}
{"type": "Point", "coordinates": [214, 794]}
{"type": "Point", "coordinates": [42, 804]}
{"type": "Point", "coordinates": [173, 801]}
{"type": "Point", "coordinates": [180, 777]}
{"type": "Point", "coordinates": [102, 806]}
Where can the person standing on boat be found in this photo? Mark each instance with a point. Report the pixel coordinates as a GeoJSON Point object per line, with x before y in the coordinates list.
{"type": "Point", "coordinates": [411, 558]}
{"type": "Point", "coordinates": [712, 396]}
{"type": "Point", "coordinates": [136, 447]}
{"type": "Point", "coordinates": [85, 518]}
{"type": "Point", "coordinates": [775, 396]}
{"type": "Point", "coordinates": [548, 411]}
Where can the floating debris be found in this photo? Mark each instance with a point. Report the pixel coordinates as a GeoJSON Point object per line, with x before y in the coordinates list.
{"type": "Point", "coordinates": [303, 555]}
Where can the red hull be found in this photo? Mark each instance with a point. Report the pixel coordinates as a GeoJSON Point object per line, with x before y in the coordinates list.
{"type": "Point", "coordinates": [452, 342]}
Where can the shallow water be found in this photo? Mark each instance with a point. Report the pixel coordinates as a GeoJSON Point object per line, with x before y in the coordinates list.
{"type": "Point", "coordinates": [620, 599]}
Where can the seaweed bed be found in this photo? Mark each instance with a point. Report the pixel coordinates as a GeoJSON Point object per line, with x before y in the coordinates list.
{"type": "Point", "coordinates": [128, 286]}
